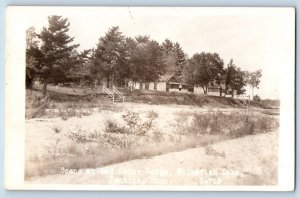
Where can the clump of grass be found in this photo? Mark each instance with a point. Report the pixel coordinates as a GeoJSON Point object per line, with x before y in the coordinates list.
{"type": "Point", "coordinates": [211, 151]}
{"type": "Point", "coordinates": [56, 129]}
{"type": "Point", "coordinates": [136, 125]}
{"type": "Point", "coordinates": [112, 126]}
{"type": "Point", "coordinates": [36, 104]}
{"type": "Point", "coordinates": [233, 124]}
{"type": "Point", "coordinates": [80, 136]}
{"type": "Point", "coordinates": [68, 113]}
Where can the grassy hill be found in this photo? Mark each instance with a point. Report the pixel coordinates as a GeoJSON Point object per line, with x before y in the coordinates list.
{"type": "Point", "coordinates": [160, 97]}
{"type": "Point", "coordinates": [65, 94]}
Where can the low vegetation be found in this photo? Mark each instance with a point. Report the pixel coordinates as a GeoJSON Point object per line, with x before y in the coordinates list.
{"type": "Point", "coordinates": [138, 136]}
{"type": "Point", "coordinates": [64, 106]}
{"type": "Point", "coordinates": [233, 124]}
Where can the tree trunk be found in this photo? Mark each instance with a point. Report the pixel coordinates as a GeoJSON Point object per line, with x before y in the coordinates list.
{"type": "Point", "coordinates": [107, 81]}
{"type": "Point", "coordinates": [125, 83]}
{"type": "Point", "coordinates": [45, 86]}
{"type": "Point", "coordinates": [203, 90]}
{"type": "Point", "coordinates": [220, 92]}
{"type": "Point", "coordinates": [112, 80]}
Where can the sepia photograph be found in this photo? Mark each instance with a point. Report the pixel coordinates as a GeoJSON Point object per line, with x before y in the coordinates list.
{"type": "Point", "coordinates": [149, 98]}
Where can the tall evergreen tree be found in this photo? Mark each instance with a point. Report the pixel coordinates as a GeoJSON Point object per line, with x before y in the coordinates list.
{"type": "Point", "coordinates": [180, 59]}
{"type": "Point", "coordinates": [174, 58]}
{"type": "Point", "coordinates": [169, 56]}
{"type": "Point", "coordinates": [57, 50]}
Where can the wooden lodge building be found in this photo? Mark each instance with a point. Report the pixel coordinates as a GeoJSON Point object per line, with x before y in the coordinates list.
{"type": "Point", "coordinates": [165, 83]}
{"type": "Point", "coordinates": [171, 83]}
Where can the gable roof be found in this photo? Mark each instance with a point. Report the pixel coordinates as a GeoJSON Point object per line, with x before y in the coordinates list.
{"type": "Point", "coordinates": [168, 78]}
{"type": "Point", "coordinates": [165, 78]}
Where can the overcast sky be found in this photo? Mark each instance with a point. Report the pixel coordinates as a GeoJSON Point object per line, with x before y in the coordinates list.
{"type": "Point", "coordinates": [254, 38]}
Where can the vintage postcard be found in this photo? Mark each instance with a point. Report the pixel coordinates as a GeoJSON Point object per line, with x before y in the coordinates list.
{"type": "Point", "coordinates": [150, 98]}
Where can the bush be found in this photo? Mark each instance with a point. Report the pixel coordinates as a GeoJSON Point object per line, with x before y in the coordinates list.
{"type": "Point", "coordinates": [136, 125]}
{"type": "Point", "coordinates": [233, 124]}
{"type": "Point", "coordinates": [36, 104]}
{"type": "Point", "coordinates": [68, 113]}
{"type": "Point", "coordinates": [80, 137]}
{"type": "Point", "coordinates": [112, 127]}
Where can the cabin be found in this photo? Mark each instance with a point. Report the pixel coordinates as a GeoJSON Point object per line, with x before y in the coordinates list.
{"type": "Point", "coordinates": [171, 83]}
{"type": "Point", "coordinates": [214, 90]}
{"type": "Point", "coordinates": [166, 82]}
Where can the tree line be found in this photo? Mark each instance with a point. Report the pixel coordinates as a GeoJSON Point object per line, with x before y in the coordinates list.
{"type": "Point", "coordinates": [52, 57]}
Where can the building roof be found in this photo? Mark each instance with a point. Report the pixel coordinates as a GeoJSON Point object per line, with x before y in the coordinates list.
{"type": "Point", "coordinates": [167, 78]}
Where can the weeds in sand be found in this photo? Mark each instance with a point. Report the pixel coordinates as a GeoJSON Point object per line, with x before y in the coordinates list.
{"type": "Point", "coordinates": [80, 136]}
{"type": "Point", "coordinates": [158, 136]}
{"type": "Point", "coordinates": [112, 126]}
{"type": "Point", "coordinates": [69, 113]}
{"type": "Point", "coordinates": [137, 137]}
{"type": "Point", "coordinates": [53, 149]}
{"type": "Point", "coordinates": [36, 104]}
{"type": "Point", "coordinates": [56, 129]}
{"type": "Point", "coordinates": [233, 124]}
{"type": "Point", "coordinates": [211, 151]}
{"type": "Point", "coordinates": [136, 125]}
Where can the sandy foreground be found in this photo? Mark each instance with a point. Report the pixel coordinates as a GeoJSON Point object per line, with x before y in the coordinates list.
{"type": "Point", "coordinates": [40, 136]}
{"type": "Point", "coordinates": [250, 160]}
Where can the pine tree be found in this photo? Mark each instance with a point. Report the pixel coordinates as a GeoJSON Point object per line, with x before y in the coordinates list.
{"type": "Point", "coordinates": [57, 50]}
{"type": "Point", "coordinates": [180, 59]}
{"type": "Point", "coordinates": [174, 58]}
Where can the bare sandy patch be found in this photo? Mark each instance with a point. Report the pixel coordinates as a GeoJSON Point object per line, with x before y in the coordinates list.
{"type": "Point", "coordinates": [250, 160]}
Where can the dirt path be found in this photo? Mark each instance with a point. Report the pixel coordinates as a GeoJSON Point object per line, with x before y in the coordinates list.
{"type": "Point", "coordinates": [251, 160]}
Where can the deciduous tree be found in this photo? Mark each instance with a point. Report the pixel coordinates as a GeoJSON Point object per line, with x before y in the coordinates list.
{"type": "Point", "coordinates": [253, 79]}
{"type": "Point", "coordinates": [235, 78]}
{"type": "Point", "coordinates": [107, 57]}
{"type": "Point", "coordinates": [204, 69]}
{"type": "Point", "coordinates": [33, 56]}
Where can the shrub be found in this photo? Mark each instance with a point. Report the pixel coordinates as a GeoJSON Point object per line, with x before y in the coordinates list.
{"type": "Point", "coordinates": [36, 104]}
{"type": "Point", "coordinates": [136, 126]}
{"type": "Point", "coordinates": [112, 127]}
{"type": "Point", "coordinates": [158, 136]}
{"type": "Point", "coordinates": [68, 113]}
{"type": "Point", "coordinates": [132, 120]}
{"type": "Point", "coordinates": [232, 123]}
{"type": "Point", "coordinates": [80, 136]}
